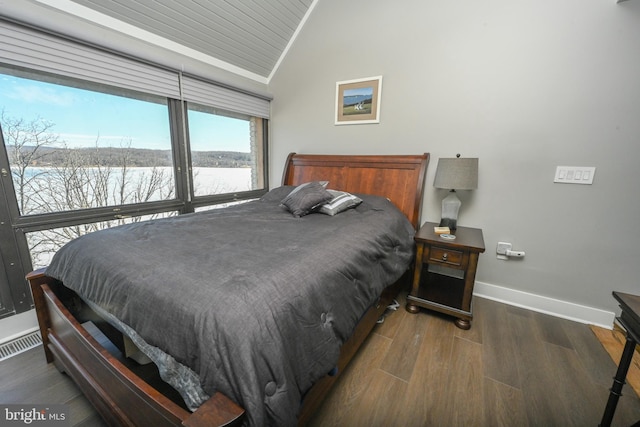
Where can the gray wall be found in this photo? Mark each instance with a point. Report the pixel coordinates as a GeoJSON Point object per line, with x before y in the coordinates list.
{"type": "Point", "coordinates": [525, 86]}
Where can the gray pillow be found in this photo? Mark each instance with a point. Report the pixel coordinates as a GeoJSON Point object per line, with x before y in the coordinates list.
{"type": "Point", "coordinates": [277, 194]}
{"type": "Point", "coordinates": [340, 202]}
{"type": "Point", "coordinates": [306, 197]}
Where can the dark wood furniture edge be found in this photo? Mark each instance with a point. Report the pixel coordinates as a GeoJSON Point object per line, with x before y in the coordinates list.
{"type": "Point", "coordinates": [134, 402]}
{"type": "Point", "coordinates": [620, 329]}
{"type": "Point", "coordinates": [629, 319]}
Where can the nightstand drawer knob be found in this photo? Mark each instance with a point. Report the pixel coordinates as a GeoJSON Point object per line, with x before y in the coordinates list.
{"type": "Point", "coordinates": [445, 256]}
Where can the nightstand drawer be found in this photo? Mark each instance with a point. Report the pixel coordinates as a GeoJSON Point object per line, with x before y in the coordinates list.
{"type": "Point", "coordinates": [444, 256]}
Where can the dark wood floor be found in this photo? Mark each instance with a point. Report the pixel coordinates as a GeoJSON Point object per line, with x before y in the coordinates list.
{"type": "Point", "coordinates": [28, 379]}
{"type": "Point", "coordinates": [514, 367]}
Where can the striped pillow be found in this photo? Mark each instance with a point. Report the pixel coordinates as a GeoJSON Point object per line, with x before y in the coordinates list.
{"type": "Point", "coordinates": [340, 202]}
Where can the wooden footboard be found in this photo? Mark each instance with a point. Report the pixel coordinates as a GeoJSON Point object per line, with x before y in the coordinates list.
{"type": "Point", "coordinates": [120, 396]}
{"type": "Point", "coordinates": [124, 399]}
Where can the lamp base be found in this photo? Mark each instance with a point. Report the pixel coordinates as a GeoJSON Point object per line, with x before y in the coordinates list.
{"type": "Point", "coordinates": [450, 207]}
{"type": "Point", "coordinates": [448, 222]}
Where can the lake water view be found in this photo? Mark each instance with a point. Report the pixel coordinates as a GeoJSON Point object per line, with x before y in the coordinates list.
{"type": "Point", "coordinates": [49, 192]}
{"type": "Point", "coordinates": [206, 180]}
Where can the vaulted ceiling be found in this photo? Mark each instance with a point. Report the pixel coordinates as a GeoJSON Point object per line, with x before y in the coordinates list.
{"type": "Point", "coordinates": [244, 37]}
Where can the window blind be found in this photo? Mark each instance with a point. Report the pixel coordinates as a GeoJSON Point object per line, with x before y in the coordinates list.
{"type": "Point", "coordinates": [30, 48]}
{"type": "Point", "coordinates": [212, 95]}
{"type": "Point", "coordinates": [25, 47]}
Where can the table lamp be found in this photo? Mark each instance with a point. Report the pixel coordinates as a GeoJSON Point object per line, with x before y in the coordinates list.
{"type": "Point", "coordinates": [455, 174]}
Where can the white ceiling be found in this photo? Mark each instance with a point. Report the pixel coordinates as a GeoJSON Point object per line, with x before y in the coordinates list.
{"type": "Point", "coordinates": [248, 38]}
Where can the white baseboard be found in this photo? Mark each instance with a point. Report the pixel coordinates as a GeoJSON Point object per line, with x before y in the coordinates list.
{"type": "Point", "coordinates": [542, 304]}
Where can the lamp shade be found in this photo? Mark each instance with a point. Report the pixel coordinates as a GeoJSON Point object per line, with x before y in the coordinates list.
{"type": "Point", "coordinates": [457, 174]}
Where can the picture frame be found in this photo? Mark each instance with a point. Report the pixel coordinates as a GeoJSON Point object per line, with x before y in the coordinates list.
{"type": "Point", "coordinates": [358, 101]}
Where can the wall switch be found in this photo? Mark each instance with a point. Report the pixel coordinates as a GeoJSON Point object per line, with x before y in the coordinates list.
{"type": "Point", "coordinates": [574, 174]}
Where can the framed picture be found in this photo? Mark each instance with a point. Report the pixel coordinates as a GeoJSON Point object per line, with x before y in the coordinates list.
{"type": "Point", "coordinates": [358, 101]}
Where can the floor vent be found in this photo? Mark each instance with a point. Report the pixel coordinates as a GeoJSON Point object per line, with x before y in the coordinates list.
{"type": "Point", "coordinates": [17, 346]}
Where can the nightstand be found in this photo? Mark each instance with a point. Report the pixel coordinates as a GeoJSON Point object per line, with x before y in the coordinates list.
{"type": "Point", "coordinates": [445, 272]}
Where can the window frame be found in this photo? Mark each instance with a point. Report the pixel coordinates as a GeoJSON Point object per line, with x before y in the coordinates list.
{"type": "Point", "coordinates": [215, 199]}
{"type": "Point", "coordinates": [184, 201]}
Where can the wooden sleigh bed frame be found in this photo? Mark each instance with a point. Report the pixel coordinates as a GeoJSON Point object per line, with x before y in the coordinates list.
{"type": "Point", "coordinates": [125, 397]}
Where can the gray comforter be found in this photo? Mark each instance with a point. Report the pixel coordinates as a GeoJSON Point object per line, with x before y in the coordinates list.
{"type": "Point", "coordinates": [254, 301]}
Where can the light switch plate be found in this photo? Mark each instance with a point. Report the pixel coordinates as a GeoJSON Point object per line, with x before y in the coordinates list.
{"type": "Point", "coordinates": [574, 174]}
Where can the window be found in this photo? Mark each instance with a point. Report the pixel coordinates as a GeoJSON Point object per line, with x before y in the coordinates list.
{"type": "Point", "coordinates": [72, 148]}
{"type": "Point", "coordinates": [226, 151]}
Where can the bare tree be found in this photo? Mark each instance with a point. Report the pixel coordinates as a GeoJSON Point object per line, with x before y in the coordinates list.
{"type": "Point", "coordinates": [25, 141]}
{"type": "Point", "coordinates": [78, 179]}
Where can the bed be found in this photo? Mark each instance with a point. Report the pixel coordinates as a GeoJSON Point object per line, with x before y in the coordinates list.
{"type": "Point", "coordinates": [80, 341]}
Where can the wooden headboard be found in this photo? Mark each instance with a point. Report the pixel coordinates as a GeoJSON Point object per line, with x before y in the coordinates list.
{"type": "Point", "coordinates": [398, 178]}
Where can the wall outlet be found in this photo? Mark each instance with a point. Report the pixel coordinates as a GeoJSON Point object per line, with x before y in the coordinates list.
{"type": "Point", "coordinates": [501, 250]}
{"type": "Point", "coordinates": [504, 251]}
{"type": "Point", "coordinates": [503, 247]}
